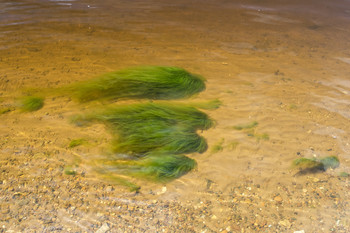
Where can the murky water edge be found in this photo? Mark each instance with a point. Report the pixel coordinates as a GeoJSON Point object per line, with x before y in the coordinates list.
{"type": "Point", "coordinates": [283, 64]}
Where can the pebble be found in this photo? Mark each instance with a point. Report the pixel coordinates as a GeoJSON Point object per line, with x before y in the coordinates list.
{"type": "Point", "coordinates": [162, 191]}
{"type": "Point", "coordinates": [104, 228]}
{"type": "Point", "coordinates": [278, 199]}
{"type": "Point", "coordinates": [285, 223]}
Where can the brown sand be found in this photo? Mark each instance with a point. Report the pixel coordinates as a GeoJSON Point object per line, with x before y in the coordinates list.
{"type": "Point", "coordinates": [284, 64]}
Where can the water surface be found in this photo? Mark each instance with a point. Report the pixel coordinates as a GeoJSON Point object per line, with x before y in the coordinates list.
{"type": "Point", "coordinates": [284, 64]}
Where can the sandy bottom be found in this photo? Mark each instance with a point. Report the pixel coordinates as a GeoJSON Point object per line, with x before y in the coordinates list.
{"type": "Point", "coordinates": [283, 66]}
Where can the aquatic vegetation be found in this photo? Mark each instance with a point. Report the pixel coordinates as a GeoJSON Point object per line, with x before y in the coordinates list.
{"type": "Point", "coordinates": [69, 170]}
{"type": "Point", "coordinates": [305, 163]}
{"type": "Point", "coordinates": [292, 106]}
{"type": "Point", "coordinates": [263, 136]}
{"type": "Point", "coordinates": [31, 103]}
{"type": "Point", "coordinates": [344, 174]}
{"type": "Point", "coordinates": [117, 179]}
{"type": "Point", "coordinates": [148, 82]}
{"type": "Point", "coordinates": [246, 126]}
{"type": "Point", "coordinates": [330, 162]}
{"type": "Point", "coordinates": [251, 132]}
{"type": "Point", "coordinates": [156, 167]}
{"type": "Point", "coordinates": [163, 167]}
{"type": "Point", "coordinates": [149, 138]}
{"type": "Point", "coordinates": [208, 105]}
{"type": "Point", "coordinates": [312, 165]}
{"type": "Point", "coordinates": [5, 110]}
{"type": "Point", "coordinates": [154, 127]}
{"type": "Point", "coordinates": [233, 145]}
{"type": "Point", "coordinates": [218, 146]}
{"type": "Point", "coordinates": [76, 142]}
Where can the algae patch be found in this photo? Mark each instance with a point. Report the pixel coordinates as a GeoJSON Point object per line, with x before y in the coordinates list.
{"type": "Point", "coordinates": [139, 129]}
{"type": "Point", "coordinates": [218, 146]}
{"type": "Point", "coordinates": [246, 126]}
{"type": "Point", "coordinates": [149, 82]}
{"type": "Point", "coordinates": [150, 139]}
{"type": "Point", "coordinates": [250, 130]}
{"type": "Point", "coordinates": [314, 165]}
{"type": "Point", "coordinates": [76, 142]}
{"type": "Point", "coordinates": [31, 103]}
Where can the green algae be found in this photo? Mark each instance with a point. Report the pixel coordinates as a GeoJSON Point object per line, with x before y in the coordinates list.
{"type": "Point", "coordinates": [258, 136]}
{"type": "Point", "coordinates": [218, 146]}
{"type": "Point", "coordinates": [312, 165]}
{"type": "Point", "coordinates": [344, 174]}
{"type": "Point", "coordinates": [163, 167]}
{"type": "Point", "coordinates": [233, 145]}
{"type": "Point", "coordinates": [150, 139]}
{"type": "Point", "coordinates": [69, 170]}
{"type": "Point", "coordinates": [246, 126]}
{"type": "Point", "coordinates": [76, 142]}
{"type": "Point", "coordinates": [250, 130]}
{"type": "Point", "coordinates": [154, 167]}
{"type": "Point", "coordinates": [154, 127]}
{"type": "Point", "coordinates": [31, 103]}
{"type": "Point", "coordinates": [305, 163]}
{"type": "Point", "coordinates": [207, 105]}
{"type": "Point", "coordinates": [5, 110]}
{"type": "Point", "coordinates": [117, 179]}
{"type": "Point", "coordinates": [148, 82]}
{"type": "Point", "coordinates": [330, 162]}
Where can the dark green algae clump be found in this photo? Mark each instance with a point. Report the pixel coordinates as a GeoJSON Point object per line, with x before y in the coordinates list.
{"type": "Point", "coordinates": [148, 82]}
{"type": "Point", "coordinates": [31, 103]}
{"type": "Point", "coordinates": [155, 167]}
{"type": "Point", "coordinates": [151, 138]}
{"type": "Point", "coordinates": [314, 165]}
{"type": "Point", "coordinates": [154, 127]}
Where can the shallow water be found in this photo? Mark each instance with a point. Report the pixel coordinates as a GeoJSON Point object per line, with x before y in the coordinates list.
{"type": "Point", "coordinates": [284, 64]}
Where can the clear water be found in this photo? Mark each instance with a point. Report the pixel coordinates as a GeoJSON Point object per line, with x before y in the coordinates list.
{"type": "Point", "coordinates": [284, 64]}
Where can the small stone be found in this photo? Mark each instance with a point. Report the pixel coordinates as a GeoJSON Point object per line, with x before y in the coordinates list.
{"type": "Point", "coordinates": [103, 229]}
{"type": "Point", "coordinates": [301, 231]}
{"type": "Point", "coordinates": [315, 180]}
{"type": "Point", "coordinates": [214, 217]}
{"type": "Point", "coordinates": [109, 189]}
{"type": "Point", "coordinates": [162, 191]}
{"type": "Point", "coordinates": [278, 199]}
{"type": "Point", "coordinates": [285, 223]}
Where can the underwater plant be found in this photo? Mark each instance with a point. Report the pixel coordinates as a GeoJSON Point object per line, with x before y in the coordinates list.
{"type": "Point", "coordinates": [31, 103]}
{"type": "Point", "coordinates": [154, 127]}
{"type": "Point", "coordinates": [233, 145]}
{"type": "Point", "coordinates": [263, 136]}
{"type": "Point", "coordinates": [218, 146]}
{"type": "Point", "coordinates": [148, 82]}
{"type": "Point", "coordinates": [344, 174]}
{"type": "Point", "coordinates": [76, 142]}
{"type": "Point", "coordinates": [69, 170]}
{"type": "Point", "coordinates": [246, 126]}
{"type": "Point", "coordinates": [208, 105]}
{"type": "Point", "coordinates": [312, 165]}
{"type": "Point", "coordinates": [5, 110]}
{"type": "Point", "coordinates": [156, 167]}
{"type": "Point", "coordinates": [163, 167]}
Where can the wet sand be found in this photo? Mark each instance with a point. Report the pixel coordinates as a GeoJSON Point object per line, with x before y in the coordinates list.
{"type": "Point", "coordinates": [283, 64]}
